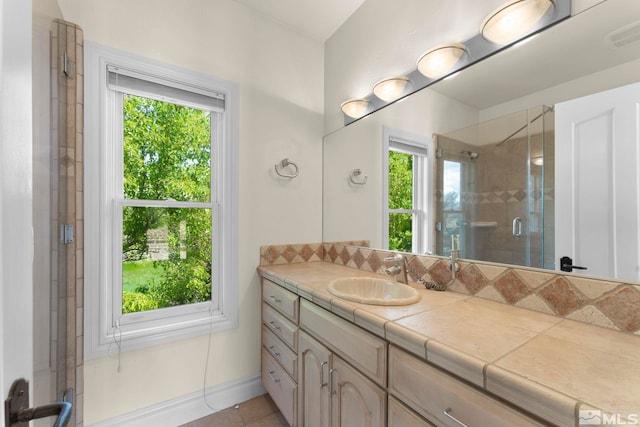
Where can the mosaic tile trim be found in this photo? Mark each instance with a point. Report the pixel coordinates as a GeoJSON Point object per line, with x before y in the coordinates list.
{"type": "Point", "coordinates": [613, 305]}
{"type": "Point", "coordinates": [302, 252]}
{"type": "Point", "coordinates": [289, 254]}
{"type": "Point", "coordinates": [498, 196]}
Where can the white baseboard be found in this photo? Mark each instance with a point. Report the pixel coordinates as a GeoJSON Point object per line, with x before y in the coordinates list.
{"type": "Point", "coordinates": [190, 407]}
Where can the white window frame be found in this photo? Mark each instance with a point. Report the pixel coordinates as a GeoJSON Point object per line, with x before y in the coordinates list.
{"type": "Point", "coordinates": [423, 166]}
{"type": "Point", "coordinates": [106, 330]}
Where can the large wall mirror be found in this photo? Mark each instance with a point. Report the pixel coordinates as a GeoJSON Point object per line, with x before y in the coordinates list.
{"type": "Point", "coordinates": [486, 144]}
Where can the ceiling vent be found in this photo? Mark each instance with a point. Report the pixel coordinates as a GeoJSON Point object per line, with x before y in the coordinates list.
{"type": "Point", "coordinates": [624, 36]}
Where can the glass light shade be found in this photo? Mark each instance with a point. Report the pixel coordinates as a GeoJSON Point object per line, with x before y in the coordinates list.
{"type": "Point", "coordinates": [390, 89]}
{"type": "Point", "coordinates": [440, 60]}
{"type": "Point", "coordinates": [355, 108]}
{"type": "Point", "coordinates": [514, 20]}
{"type": "Point", "coordinates": [538, 161]}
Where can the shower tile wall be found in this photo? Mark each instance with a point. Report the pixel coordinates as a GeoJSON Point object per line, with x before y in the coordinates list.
{"type": "Point", "coordinates": [494, 191]}
{"type": "Point", "coordinates": [67, 208]}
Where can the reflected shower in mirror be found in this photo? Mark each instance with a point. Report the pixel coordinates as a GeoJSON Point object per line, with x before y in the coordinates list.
{"type": "Point", "coordinates": [494, 194]}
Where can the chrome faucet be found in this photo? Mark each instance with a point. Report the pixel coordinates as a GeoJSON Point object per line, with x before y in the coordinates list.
{"type": "Point", "coordinates": [399, 266]}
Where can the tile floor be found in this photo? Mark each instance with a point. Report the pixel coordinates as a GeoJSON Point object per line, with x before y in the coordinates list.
{"type": "Point", "coordinates": [257, 412]}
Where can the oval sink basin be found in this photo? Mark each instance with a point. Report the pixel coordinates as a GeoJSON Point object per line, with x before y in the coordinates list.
{"type": "Point", "coordinates": [369, 290]}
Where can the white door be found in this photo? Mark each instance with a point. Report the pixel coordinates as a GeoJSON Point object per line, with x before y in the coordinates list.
{"type": "Point", "coordinates": [16, 237]}
{"type": "Point", "coordinates": [597, 193]}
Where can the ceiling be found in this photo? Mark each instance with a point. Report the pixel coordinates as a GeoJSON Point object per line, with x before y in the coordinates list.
{"type": "Point", "coordinates": [580, 46]}
{"type": "Point", "coordinates": [317, 19]}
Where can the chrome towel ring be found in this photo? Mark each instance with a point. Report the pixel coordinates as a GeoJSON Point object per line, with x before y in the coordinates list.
{"type": "Point", "coordinates": [284, 163]}
{"type": "Point", "coordinates": [356, 179]}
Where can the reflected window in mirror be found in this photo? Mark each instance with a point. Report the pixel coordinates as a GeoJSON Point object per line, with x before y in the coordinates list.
{"type": "Point", "coordinates": [453, 236]}
{"type": "Point", "coordinates": [407, 204]}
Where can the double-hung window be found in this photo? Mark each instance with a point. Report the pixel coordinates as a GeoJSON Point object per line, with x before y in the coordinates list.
{"type": "Point", "coordinates": [407, 195]}
{"type": "Point", "coordinates": [160, 202]}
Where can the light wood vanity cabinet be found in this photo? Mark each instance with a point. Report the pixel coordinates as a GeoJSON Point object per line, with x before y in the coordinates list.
{"type": "Point", "coordinates": [360, 348]}
{"type": "Point", "coordinates": [323, 371]}
{"type": "Point", "coordinates": [444, 400]}
{"type": "Point", "coordinates": [279, 361]}
{"type": "Point", "coordinates": [333, 393]}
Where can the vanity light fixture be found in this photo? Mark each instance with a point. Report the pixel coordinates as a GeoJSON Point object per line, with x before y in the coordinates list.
{"type": "Point", "coordinates": [538, 161]}
{"type": "Point", "coordinates": [391, 89]}
{"type": "Point", "coordinates": [514, 20]}
{"type": "Point", "coordinates": [441, 59]}
{"type": "Point", "coordinates": [355, 108]}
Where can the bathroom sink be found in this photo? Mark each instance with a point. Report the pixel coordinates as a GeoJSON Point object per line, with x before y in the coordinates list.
{"type": "Point", "coordinates": [369, 290]}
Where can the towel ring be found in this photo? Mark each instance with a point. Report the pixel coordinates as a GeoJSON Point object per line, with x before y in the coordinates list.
{"type": "Point", "coordinates": [355, 177]}
{"type": "Point", "coordinates": [283, 164]}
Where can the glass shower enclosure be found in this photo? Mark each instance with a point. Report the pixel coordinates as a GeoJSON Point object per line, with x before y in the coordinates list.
{"type": "Point", "coordinates": [494, 197]}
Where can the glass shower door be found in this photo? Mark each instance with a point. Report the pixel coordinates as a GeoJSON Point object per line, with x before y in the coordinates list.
{"type": "Point", "coordinates": [494, 190]}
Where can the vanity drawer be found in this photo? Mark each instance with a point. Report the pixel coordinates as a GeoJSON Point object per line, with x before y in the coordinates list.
{"type": "Point", "coordinates": [360, 348]}
{"type": "Point", "coordinates": [282, 389]}
{"type": "Point", "coordinates": [287, 358]}
{"type": "Point", "coordinates": [401, 416]}
{"type": "Point", "coordinates": [439, 397]}
{"type": "Point", "coordinates": [286, 302]}
{"type": "Point", "coordinates": [280, 326]}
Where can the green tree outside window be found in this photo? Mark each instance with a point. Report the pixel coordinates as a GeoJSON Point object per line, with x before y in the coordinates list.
{"type": "Point", "coordinates": [166, 251]}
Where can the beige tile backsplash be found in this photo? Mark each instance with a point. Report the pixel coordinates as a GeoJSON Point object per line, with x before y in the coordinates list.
{"type": "Point", "coordinates": [614, 305]}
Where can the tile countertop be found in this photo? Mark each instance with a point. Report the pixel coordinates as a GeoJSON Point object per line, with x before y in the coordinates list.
{"type": "Point", "coordinates": [553, 367]}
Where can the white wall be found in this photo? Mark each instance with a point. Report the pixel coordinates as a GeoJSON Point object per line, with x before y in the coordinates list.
{"type": "Point", "coordinates": [610, 78]}
{"type": "Point", "coordinates": [16, 236]}
{"type": "Point", "coordinates": [280, 76]}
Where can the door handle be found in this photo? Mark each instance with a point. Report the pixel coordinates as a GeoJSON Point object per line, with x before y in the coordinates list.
{"type": "Point", "coordinates": [16, 415]}
{"type": "Point", "coordinates": [516, 227]}
{"type": "Point", "coordinates": [447, 413]}
{"type": "Point", "coordinates": [331, 372]}
{"type": "Point", "coordinates": [322, 365]}
{"type": "Point", "coordinates": [566, 264]}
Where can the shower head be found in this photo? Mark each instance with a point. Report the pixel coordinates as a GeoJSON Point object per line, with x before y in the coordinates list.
{"type": "Point", "coordinates": [472, 154]}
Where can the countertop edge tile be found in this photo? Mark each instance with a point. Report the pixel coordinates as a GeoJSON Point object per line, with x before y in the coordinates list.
{"type": "Point", "coordinates": [370, 322]}
{"type": "Point", "coordinates": [272, 277]}
{"type": "Point", "coordinates": [305, 291]}
{"type": "Point", "coordinates": [321, 299]}
{"type": "Point", "coordinates": [542, 401]}
{"type": "Point", "coordinates": [464, 365]}
{"type": "Point", "coordinates": [343, 309]}
{"type": "Point", "coordinates": [290, 285]}
{"type": "Point", "coordinates": [406, 339]}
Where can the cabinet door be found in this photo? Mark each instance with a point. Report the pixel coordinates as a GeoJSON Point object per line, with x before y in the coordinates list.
{"type": "Point", "coordinates": [314, 362]}
{"type": "Point", "coordinates": [356, 400]}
